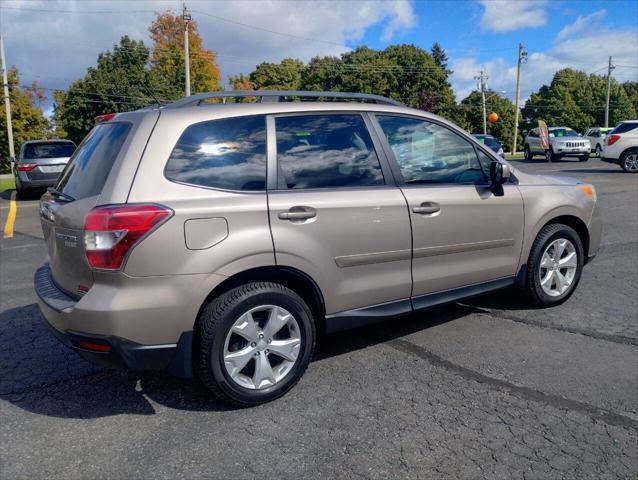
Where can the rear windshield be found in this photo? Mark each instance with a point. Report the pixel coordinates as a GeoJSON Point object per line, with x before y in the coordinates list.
{"type": "Point", "coordinates": [34, 151]}
{"type": "Point", "coordinates": [87, 171]}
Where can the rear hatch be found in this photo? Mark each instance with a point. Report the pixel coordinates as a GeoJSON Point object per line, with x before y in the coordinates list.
{"type": "Point", "coordinates": [63, 210]}
{"type": "Point", "coordinates": [48, 156]}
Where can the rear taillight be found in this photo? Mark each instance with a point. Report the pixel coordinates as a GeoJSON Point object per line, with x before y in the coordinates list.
{"type": "Point", "coordinates": [26, 167]}
{"type": "Point", "coordinates": [104, 118]}
{"type": "Point", "coordinates": [613, 139]}
{"type": "Point", "coordinates": [110, 232]}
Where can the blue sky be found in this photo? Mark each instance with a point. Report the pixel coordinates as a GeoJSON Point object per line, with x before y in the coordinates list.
{"type": "Point", "coordinates": [53, 42]}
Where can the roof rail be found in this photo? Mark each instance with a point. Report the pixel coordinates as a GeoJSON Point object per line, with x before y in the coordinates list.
{"type": "Point", "coordinates": [279, 96]}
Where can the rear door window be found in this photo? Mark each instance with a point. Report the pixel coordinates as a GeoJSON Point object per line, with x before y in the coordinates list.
{"type": "Point", "coordinates": [325, 151]}
{"type": "Point", "coordinates": [229, 154]}
{"type": "Point", "coordinates": [86, 173]}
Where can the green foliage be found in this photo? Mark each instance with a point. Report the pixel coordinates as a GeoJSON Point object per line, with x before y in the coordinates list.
{"type": "Point", "coordinates": [278, 76]}
{"type": "Point", "coordinates": [471, 110]}
{"type": "Point", "coordinates": [27, 119]}
{"type": "Point", "coordinates": [402, 72]}
{"type": "Point", "coordinates": [116, 84]}
{"type": "Point", "coordinates": [440, 57]}
{"type": "Point", "coordinates": [577, 100]}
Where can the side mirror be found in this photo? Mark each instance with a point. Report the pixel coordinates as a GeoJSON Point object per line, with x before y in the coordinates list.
{"type": "Point", "coordinates": [499, 173]}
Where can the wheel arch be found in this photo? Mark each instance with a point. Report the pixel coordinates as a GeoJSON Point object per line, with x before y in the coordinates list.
{"type": "Point", "coordinates": [298, 281]}
{"type": "Point", "coordinates": [568, 219]}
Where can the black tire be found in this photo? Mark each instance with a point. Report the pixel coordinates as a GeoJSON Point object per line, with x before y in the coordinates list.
{"type": "Point", "coordinates": [214, 323]}
{"type": "Point", "coordinates": [532, 286]}
{"type": "Point", "coordinates": [549, 155]}
{"type": "Point", "coordinates": [599, 151]}
{"type": "Point", "coordinates": [21, 193]}
{"type": "Point", "coordinates": [584, 158]}
{"type": "Point", "coordinates": [625, 164]}
{"type": "Point", "coordinates": [527, 152]}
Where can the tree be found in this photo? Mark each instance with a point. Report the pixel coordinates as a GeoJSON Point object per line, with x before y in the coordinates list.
{"type": "Point", "coordinates": [27, 119]}
{"type": "Point", "coordinates": [167, 57]}
{"type": "Point", "coordinates": [577, 100]}
{"type": "Point", "coordinates": [278, 76]}
{"type": "Point", "coordinates": [440, 57]}
{"type": "Point", "coordinates": [241, 82]}
{"type": "Point", "coordinates": [471, 110]}
{"type": "Point", "coordinates": [118, 83]}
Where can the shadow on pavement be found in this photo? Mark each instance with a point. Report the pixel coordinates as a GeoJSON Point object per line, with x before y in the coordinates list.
{"type": "Point", "coordinates": [40, 375]}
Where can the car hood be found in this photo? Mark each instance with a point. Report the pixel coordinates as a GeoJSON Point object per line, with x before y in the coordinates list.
{"type": "Point", "coordinates": [566, 139]}
{"type": "Point", "coordinates": [531, 179]}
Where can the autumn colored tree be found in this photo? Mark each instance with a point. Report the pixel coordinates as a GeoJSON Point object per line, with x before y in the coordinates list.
{"type": "Point", "coordinates": [27, 119]}
{"type": "Point", "coordinates": [241, 82]}
{"type": "Point", "coordinates": [167, 57]}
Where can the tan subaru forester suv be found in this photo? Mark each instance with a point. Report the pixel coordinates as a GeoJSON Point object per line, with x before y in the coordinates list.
{"type": "Point", "coordinates": [220, 239]}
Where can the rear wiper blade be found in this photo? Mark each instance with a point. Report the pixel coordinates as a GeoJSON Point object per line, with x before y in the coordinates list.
{"type": "Point", "coordinates": [60, 195]}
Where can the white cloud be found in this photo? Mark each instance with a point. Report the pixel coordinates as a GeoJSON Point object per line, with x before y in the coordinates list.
{"type": "Point", "coordinates": [588, 51]}
{"type": "Point", "coordinates": [56, 48]}
{"type": "Point", "coordinates": [509, 15]}
{"type": "Point", "coordinates": [581, 23]}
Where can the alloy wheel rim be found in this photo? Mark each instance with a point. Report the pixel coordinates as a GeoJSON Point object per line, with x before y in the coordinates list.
{"type": "Point", "coordinates": [262, 347]}
{"type": "Point", "coordinates": [558, 266]}
{"type": "Point", "coordinates": [631, 162]}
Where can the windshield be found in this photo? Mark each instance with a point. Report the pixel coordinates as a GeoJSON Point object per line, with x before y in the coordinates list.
{"type": "Point", "coordinates": [48, 150]}
{"type": "Point", "coordinates": [562, 132]}
{"type": "Point", "coordinates": [87, 171]}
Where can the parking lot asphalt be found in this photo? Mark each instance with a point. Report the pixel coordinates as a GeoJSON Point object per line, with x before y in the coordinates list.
{"type": "Point", "coordinates": [488, 388]}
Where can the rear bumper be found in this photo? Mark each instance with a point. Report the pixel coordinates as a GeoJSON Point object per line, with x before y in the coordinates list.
{"type": "Point", "coordinates": [24, 180]}
{"type": "Point", "coordinates": [117, 352]}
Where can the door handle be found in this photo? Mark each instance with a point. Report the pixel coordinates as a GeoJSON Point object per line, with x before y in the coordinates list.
{"type": "Point", "coordinates": [427, 208]}
{"type": "Point", "coordinates": [298, 213]}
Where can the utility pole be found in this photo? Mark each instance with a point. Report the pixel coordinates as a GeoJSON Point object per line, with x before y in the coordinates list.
{"type": "Point", "coordinates": [609, 69]}
{"type": "Point", "coordinates": [7, 104]}
{"type": "Point", "coordinates": [186, 16]}
{"type": "Point", "coordinates": [521, 56]}
{"type": "Point", "coordinates": [481, 78]}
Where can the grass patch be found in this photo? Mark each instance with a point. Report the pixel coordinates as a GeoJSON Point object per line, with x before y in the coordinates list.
{"type": "Point", "coordinates": [516, 156]}
{"type": "Point", "coordinates": [7, 184]}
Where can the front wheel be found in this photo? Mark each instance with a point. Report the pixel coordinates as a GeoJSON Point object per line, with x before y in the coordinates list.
{"type": "Point", "coordinates": [599, 151]}
{"type": "Point", "coordinates": [549, 156]}
{"type": "Point", "coordinates": [254, 343]}
{"type": "Point", "coordinates": [584, 158]}
{"type": "Point", "coordinates": [629, 160]}
{"type": "Point", "coordinates": [555, 265]}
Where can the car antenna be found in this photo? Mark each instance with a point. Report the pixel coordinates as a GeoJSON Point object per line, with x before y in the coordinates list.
{"type": "Point", "coordinates": [150, 93]}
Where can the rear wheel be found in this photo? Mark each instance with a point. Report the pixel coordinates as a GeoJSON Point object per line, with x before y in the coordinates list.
{"type": "Point", "coordinates": [254, 343]}
{"type": "Point", "coordinates": [629, 160]}
{"type": "Point", "coordinates": [555, 265]}
{"type": "Point", "coordinates": [527, 153]}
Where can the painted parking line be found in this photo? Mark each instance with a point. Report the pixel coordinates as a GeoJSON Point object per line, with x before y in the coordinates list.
{"type": "Point", "coordinates": [11, 217]}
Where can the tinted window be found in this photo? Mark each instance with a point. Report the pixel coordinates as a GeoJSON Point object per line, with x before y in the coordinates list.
{"type": "Point", "coordinates": [34, 151]}
{"type": "Point", "coordinates": [88, 169]}
{"type": "Point", "coordinates": [429, 153]}
{"type": "Point", "coordinates": [562, 132]}
{"type": "Point", "coordinates": [319, 151]}
{"type": "Point", "coordinates": [229, 153]}
{"type": "Point", "coordinates": [625, 127]}
{"type": "Point", "coordinates": [533, 133]}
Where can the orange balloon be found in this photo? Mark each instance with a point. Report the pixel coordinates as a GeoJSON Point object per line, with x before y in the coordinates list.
{"type": "Point", "coordinates": [493, 118]}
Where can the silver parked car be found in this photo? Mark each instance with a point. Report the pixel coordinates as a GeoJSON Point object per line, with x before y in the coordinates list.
{"type": "Point", "coordinates": [563, 142]}
{"type": "Point", "coordinates": [40, 163]}
{"type": "Point", "coordinates": [220, 240]}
